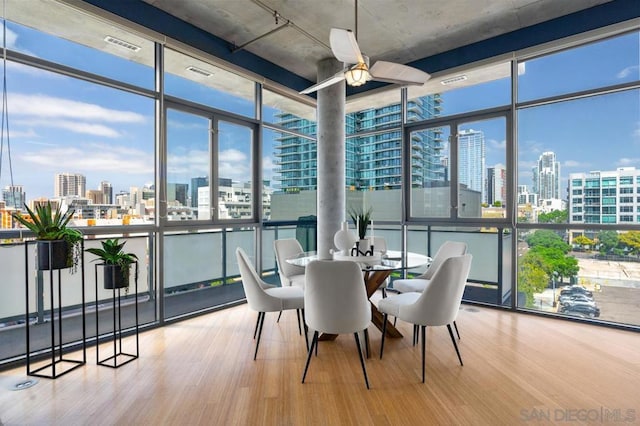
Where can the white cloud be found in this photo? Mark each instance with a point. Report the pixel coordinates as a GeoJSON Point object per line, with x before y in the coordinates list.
{"type": "Point", "coordinates": [96, 157]}
{"type": "Point", "coordinates": [73, 126]}
{"type": "Point", "coordinates": [43, 106]}
{"type": "Point", "coordinates": [625, 161]}
{"type": "Point", "coordinates": [500, 145]}
{"type": "Point", "coordinates": [190, 163]}
{"type": "Point", "coordinates": [628, 71]}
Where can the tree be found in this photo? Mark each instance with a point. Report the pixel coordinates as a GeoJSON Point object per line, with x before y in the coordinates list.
{"type": "Point", "coordinates": [581, 240]}
{"type": "Point", "coordinates": [608, 241]}
{"type": "Point", "coordinates": [631, 240]}
{"type": "Point", "coordinates": [547, 238]}
{"type": "Point", "coordinates": [532, 278]}
{"type": "Point", "coordinates": [497, 203]}
{"type": "Point", "coordinates": [555, 216]}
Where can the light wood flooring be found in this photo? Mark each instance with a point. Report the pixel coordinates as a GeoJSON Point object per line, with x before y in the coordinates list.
{"type": "Point", "coordinates": [518, 369]}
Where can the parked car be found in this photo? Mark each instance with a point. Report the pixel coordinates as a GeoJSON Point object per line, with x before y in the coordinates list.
{"type": "Point", "coordinates": [580, 309]}
{"type": "Point", "coordinates": [575, 289]}
{"type": "Point", "coordinates": [568, 298]}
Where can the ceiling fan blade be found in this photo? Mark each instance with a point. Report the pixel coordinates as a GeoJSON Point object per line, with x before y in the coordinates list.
{"type": "Point", "coordinates": [324, 83]}
{"type": "Point", "coordinates": [345, 46]}
{"type": "Point", "coordinates": [390, 72]}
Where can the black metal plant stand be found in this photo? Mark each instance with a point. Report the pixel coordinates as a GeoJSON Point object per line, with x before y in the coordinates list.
{"type": "Point", "coordinates": [118, 357]}
{"type": "Point", "coordinates": [59, 365]}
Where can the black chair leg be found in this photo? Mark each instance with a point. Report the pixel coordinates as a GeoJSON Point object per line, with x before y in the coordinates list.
{"type": "Point", "coordinates": [364, 368]}
{"type": "Point", "coordinates": [255, 331]}
{"type": "Point", "coordinates": [416, 334]}
{"type": "Point", "coordinates": [424, 344]}
{"type": "Point", "coordinates": [456, 327]}
{"type": "Point", "coordinates": [261, 321]}
{"type": "Point", "coordinates": [384, 293]}
{"type": "Point", "coordinates": [306, 331]}
{"type": "Point", "coordinates": [455, 345]}
{"type": "Point", "coordinates": [299, 326]}
{"type": "Point", "coordinates": [314, 343]}
{"type": "Point", "coordinates": [384, 333]}
{"type": "Point", "coordinates": [279, 315]}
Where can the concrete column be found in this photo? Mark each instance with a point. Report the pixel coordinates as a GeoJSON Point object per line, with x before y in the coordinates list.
{"type": "Point", "coordinates": [331, 157]}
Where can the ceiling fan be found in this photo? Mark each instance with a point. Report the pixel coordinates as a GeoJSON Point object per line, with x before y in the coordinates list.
{"type": "Point", "coordinates": [356, 72]}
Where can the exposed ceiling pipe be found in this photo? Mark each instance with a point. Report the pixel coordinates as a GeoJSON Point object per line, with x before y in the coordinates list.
{"type": "Point", "coordinates": [287, 23]}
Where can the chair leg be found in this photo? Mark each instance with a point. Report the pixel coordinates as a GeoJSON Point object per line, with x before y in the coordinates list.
{"type": "Point", "coordinates": [384, 333]}
{"type": "Point", "coordinates": [424, 344]}
{"type": "Point", "coordinates": [395, 319]}
{"type": "Point", "coordinates": [279, 315]}
{"type": "Point", "coordinates": [416, 334]}
{"type": "Point", "coordinates": [306, 331]}
{"type": "Point", "coordinates": [255, 331]}
{"type": "Point", "coordinates": [384, 293]}
{"type": "Point", "coordinates": [455, 345]}
{"type": "Point", "coordinates": [364, 368]}
{"type": "Point", "coordinates": [456, 327]}
{"type": "Point", "coordinates": [299, 326]}
{"type": "Point", "coordinates": [261, 321]}
{"type": "Point", "coordinates": [366, 341]}
{"type": "Point", "coordinates": [314, 342]}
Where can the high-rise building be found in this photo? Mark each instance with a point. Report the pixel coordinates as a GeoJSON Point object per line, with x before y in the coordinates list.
{"type": "Point", "coordinates": [69, 184]}
{"type": "Point", "coordinates": [605, 197]}
{"type": "Point", "coordinates": [471, 160]}
{"type": "Point", "coordinates": [14, 196]}
{"type": "Point", "coordinates": [373, 161]}
{"type": "Point", "coordinates": [496, 184]}
{"type": "Point", "coordinates": [177, 192]}
{"type": "Point", "coordinates": [197, 182]}
{"type": "Point", "coordinates": [546, 177]}
{"type": "Point", "coordinates": [107, 193]}
{"type": "Point", "coordinates": [526, 197]}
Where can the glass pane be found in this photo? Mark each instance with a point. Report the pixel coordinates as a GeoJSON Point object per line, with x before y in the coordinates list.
{"type": "Point", "coordinates": [235, 171]}
{"type": "Point", "coordinates": [188, 166]}
{"type": "Point", "coordinates": [289, 170]}
{"type": "Point", "coordinates": [430, 178]}
{"type": "Point", "coordinates": [192, 281]}
{"type": "Point", "coordinates": [555, 155]}
{"type": "Point", "coordinates": [287, 112]}
{"type": "Point", "coordinates": [585, 274]}
{"type": "Point", "coordinates": [84, 43]}
{"type": "Point", "coordinates": [198, 81]}
{"type": "Point", "coordinates": [86, 144]}
{"type": "Point", "coordinates": [482, 172]}
{"type": "Point", "coordinates": [471, 90]}
{"type": "Point", "coordinates": [600, 64]}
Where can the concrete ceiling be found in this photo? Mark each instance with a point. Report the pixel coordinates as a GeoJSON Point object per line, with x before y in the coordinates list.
{"type": "Point", "coordinates": [399, 31]}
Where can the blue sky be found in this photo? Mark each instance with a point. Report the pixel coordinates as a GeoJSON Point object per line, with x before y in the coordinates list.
{"type": "Point", "coordinates": [59, 124]}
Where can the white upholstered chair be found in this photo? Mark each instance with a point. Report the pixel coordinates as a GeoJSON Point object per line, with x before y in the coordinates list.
{"type": "Point", "coordinates": [335, 302]}
{"type": "Point", "coordinates": [263, 297]}
{"type": "Point", "coordinates": [419, 283]}
{"type": "Point", "coordinates": [437, 305]}
{"type": "Point", "coordinates": [289, 274]}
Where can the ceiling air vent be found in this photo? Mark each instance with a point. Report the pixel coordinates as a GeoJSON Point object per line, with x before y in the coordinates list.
{"type": "Point", "coordinates": [456, 79]}
{"type": "Point", "coordinates": [122, 43]}
{"type": "Point", "coordinates": [199, 71]}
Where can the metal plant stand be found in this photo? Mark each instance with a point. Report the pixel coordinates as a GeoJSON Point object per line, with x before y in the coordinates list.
{"type": "Point", "coordinates": [117, 357]}
{"type": "Point", "coordinates": [59, 364]}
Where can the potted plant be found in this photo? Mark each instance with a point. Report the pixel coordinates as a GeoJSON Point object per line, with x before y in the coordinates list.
{"type": "Point", "coordinates": [361, 219]}
{"type": "Point", "coordinates": [117, 263]}
{"type": "Point", "coordinates": [56, 242]}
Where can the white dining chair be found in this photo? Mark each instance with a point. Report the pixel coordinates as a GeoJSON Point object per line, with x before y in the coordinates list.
{"type": "Point", "coordinates": [335, 302]}
{"type": "Point", "coordinates": [418, 284]}
{"type": "Point", "coordinates": [380, 246]}
{"type": "Point", "coordinates": [290, 275]}
{"type": "Point", "coordinates": [263, 297]}
{"type": "Point", "coordinates": [437, 305]}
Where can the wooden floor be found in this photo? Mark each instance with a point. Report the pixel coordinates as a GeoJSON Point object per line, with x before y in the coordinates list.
{"type": "Point", "coordinates": [519, 369]}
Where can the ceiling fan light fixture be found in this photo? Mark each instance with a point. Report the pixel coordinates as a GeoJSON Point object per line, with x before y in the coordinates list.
{"type": "Point", "coordinates": [357, 75]}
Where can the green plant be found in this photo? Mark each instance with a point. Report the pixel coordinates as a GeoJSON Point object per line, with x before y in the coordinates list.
{"type": "Point", "coordinates": [50, 225]}
{"type": "Point", "coordinates": [361, 219]}
{"type": "Point", "coordinates": [112, 253]}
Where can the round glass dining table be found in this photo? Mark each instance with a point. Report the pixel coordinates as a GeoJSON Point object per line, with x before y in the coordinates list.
{"type": "Point", "coordinates": [375, 271]}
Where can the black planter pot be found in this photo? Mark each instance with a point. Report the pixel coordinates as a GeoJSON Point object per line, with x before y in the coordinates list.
{"type": "Point", "coordinates": [114, 278]}
{"type": "Point", "coordinates": [58, 250]}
